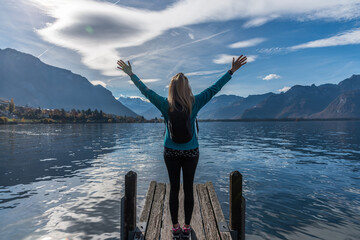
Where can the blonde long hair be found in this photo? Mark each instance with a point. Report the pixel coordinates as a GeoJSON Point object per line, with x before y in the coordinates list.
{"type": "Point", "coordinates": [180, 91]}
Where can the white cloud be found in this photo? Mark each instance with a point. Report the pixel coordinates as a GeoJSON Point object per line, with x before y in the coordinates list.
{"type": "Point", "coordinates": [142, 98]}
{"type": "Point", "coordinates": [256, 22]}
{"type": "Point", "coordinates": [150, 80]}
{"type": "Point", "coordinates": [345, 38]}
{"type": "Point", "coordinates": [271, 76]}
{"type": "Point", "coordinates": [97, 30]}
{"type": "Point", "coordinates": [284, 89]}
{"type": "Point", "coordinates": [272, 50]}
{"type": "Point", "coordinates": [247, 43]}
{"type": "Point", "coordinates": [147, 80]}
{"type": "Point", "coordinates": [125, 96]}
{"type": "Point", "coordinates": [191, 36]}
{"type": "Point", "coordinates": [98, 83]}
{"type": "Point", "coordinates": [227, 59]}
{"type": "Point", "coordinates": [121, 95]}
{"type": "Point", "coordinates": [203, 73]}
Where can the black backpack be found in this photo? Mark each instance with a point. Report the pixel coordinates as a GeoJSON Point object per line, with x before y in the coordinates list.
{"type": "Point", "coordinates": [179, 126]}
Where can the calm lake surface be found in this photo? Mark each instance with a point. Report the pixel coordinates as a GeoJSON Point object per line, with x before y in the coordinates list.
{"type": "Point", "coordinates": [301, 179]}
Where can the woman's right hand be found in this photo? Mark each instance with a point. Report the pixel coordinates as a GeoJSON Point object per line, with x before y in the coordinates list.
{"type": "Point", "coordinates": [238, 63]}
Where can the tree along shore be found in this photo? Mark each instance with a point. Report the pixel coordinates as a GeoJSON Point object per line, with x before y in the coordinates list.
{"type": "Point", "coordinates": [10, 114]}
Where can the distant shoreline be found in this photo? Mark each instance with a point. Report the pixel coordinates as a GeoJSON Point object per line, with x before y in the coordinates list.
{"type": "Point", "coordinates": [279, 120]}
{"type": "Point", "coordinates": [51, 121]}
{"type": "Point", "coordinates": [37, 121]}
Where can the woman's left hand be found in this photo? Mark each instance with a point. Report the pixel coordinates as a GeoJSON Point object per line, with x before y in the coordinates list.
{"type": "Point", "coordinates": [126, 68]}
{"type": "Point", "coordinates": [241, 61]}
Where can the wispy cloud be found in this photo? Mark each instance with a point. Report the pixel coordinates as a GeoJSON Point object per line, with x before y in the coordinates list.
{"type": "Point", "coordinates": [44, 52]}
{"type": "Point", "coordinates": [98, 30]}
{"type": "Point", "coordinates": [345, 38]}
{"type": "Point", "coordinates": [271, 76]}
{"type": "Point", "coordinates": [166, 49]}
{"type": "Point", "coordinates": [191, 36]}
{"type": "Point", "coordinates": [203, 73]}
{"type": "Point", "coordinates": [96, 82]}
{"type": "Point", "coordinates": [116, 2]}
{"type": "Point", "coordinates": [147, 80]}
{"type": "Point", "coordinates": [256, 22]}
{"type": "Point", "coordinates": [273, 50]}
{"type": "Point", "coordinates": [284, 89]}
{"type": "Point", "coordinates": [227, 59]}
{"type": "Point", "coordinates": [247, 43]}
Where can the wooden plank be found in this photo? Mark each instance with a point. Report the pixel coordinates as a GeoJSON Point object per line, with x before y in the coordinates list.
{"type": "Point", "coordinates": [196, 219]}
{"type": "Point", "coordinates": [154, 224]}
{"type": "Point", "coordinates": [148, 202]}
{"type": "Point", "coordinates": [145, 214]}
{"type": "Point", "coordinates": [166, 225]}
{"type": "Point", "coordinates": [219, 216]}
{"type": "Point", "coordinates": [210, 226]}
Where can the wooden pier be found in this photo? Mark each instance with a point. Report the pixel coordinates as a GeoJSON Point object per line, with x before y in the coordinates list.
{"type": "Point", "coordinates": [208, 221]}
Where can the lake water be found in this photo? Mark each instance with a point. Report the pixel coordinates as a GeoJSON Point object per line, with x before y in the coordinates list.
{"type": "Point", "coordinates": [301, 179]}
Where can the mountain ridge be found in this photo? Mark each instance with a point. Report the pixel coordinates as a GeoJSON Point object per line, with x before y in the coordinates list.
{"type": "Point", "coordinates": [41, 85]}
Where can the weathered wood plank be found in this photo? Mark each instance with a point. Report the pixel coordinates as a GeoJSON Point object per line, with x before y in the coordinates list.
{"type": "Point", "coordinates": [219, 216]}
{"type": "Point", "coordinates": [196, 219]}
{"type": "Point", "coordinates": [165, 233]}
{"type": "Point", "coordinates": [154, 224]}
{"type": "Point", "coordinates": [145, 214]}
{"type": "Point", "coordinates": [148, 202]}
{"type": "Point", "coordinates": [210, 226]}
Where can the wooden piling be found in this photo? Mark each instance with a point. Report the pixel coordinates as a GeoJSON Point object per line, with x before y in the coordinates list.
{"type": "Point", "coordinates": [130, 204]}
{"type": "Point", "coordinates": [237, 205]}
{"type": "Point", "coordinates": [208, 221]}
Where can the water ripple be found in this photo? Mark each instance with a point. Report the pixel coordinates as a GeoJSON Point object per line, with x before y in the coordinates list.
{"type": "Point", "coordinates": [301, 179]}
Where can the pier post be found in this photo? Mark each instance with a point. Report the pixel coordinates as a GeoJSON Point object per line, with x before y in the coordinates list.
{"type": "Point", "coordinates": [237, 205]}
{"type": "Point", "coordinates": [129, 208]}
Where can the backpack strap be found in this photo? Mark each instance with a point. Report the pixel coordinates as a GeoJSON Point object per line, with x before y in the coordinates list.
{"type": "Point", "coordinates": [197, 126]}
{"type": "Point", "coordinates": [165, 125]}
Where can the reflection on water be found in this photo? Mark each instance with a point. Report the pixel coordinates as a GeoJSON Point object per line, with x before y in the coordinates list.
{"type": "Point", "coordinates": [301, 179]}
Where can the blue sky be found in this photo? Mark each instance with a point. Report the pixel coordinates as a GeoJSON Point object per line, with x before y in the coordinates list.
{"type": "Point", "coordinates": [287, 42]}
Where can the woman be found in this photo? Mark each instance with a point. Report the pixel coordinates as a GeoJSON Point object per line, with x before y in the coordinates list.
{"type": "Point", "coordinates": [183, 156]}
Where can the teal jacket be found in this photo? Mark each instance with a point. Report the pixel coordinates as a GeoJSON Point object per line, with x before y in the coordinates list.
{"type": "Point", "coordinates": [162, 104]}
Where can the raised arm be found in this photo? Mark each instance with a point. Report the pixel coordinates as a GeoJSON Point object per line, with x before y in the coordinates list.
{"type": "Point", "coordinates": [205, 96]}
{"type": "Point", "coordinates": [153, 97]}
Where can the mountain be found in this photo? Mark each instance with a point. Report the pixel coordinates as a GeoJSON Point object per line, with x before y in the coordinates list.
{"type": "Point", "coordinates": [136, 104]}
{"type": "Point", "coordinates": [151, 113]}
{"type": "Point", "coordinates": [209, 111]}
{"type": "Point", "coordinates": [347, 105]}
{"type": "Point", "coordinates": [324, 101]}
{"type": "Point", "coordinates": [305, 101]}
{"type": "Point", "coordinates": [350, 83]}
{"type": "Point", "coordinates": [141, 107]}
{"type": "Point", "coordinates": [230, 106]}
{"type": "Point", "coordinates": [31, 82]}
{"type": "Point", "coordinates": [235, 110]}
{"type": "Point", "coordinates": [299, 101]}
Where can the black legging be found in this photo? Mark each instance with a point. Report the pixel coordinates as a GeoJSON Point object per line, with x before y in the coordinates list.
{"type": "Point", "coordinates": [187, 160]}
